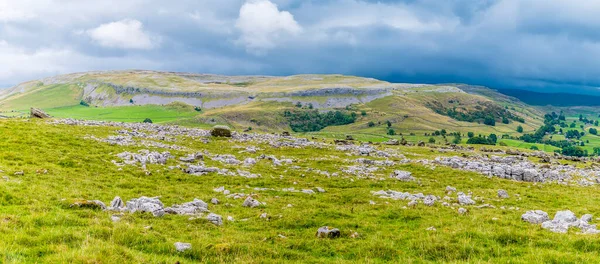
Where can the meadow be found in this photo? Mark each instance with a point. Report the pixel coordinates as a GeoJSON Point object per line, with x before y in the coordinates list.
{"type": "Point", "coordinates": [61, 165]}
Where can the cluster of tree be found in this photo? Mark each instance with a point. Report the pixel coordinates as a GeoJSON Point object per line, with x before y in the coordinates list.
{"type": "Point", "coordinates": [312, 120]}
{"type": "Point", "coordinates": [489, 140]}
{"type": "Point", "coordinates": [575, 134]}
{"type": "Point", "coordinates": [588, 121]}
{"type": "Point", "coordinates": [574, 151]}
{"type": "Point", "coordinates": [486, 112]}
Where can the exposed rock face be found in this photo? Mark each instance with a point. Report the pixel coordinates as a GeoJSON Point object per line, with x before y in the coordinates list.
{"type": "Point", "coordinates": [520, 169]}
{"type": "Point", "coordinates": [535, 217]}
{"type": "Point", "coordinates": [38, 113]}
{"type": "Point", "coordinates": [563, 220]}
{"type": "Point", "coordinates": [328, 232]}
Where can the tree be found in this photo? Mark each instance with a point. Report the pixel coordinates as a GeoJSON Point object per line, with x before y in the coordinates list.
{"type": "Point", "coordinates": [504, 120]}
{"type": "Point", "coordinates": [84, 103]}
{"type": "Point", "coordinates": [131, 101]}
{"type": "Point", "coordinates": [573, 125]}
{"type": "Point", "coordinates": [593, 131]}
{"type": "Point", "coordinates": [310, 106]}
{"type": "Point", "coordinates": [432, 140]}
{"type": "Point", "coordinates": [391, 132]}
{"type": "Point", "coordinates": [148, 120]}
{"type": "Point", "coordinates": [298, 104]}
{"type": "Point", "coordinates": [520, 129]}
{"type": "Point", "coordinates": [493, 138]}
{"type": "Point", "coordinates": [574, 151]}
{"type": "Point", "coordinates": [489, 120]}
{"type": "Point", "coordinates": [470, 134]}
{"type": "Point", "coordinates": [443, 132]}
{"type": "Point", "coordinates": [580, 117]}
{"type": "Point", "coordinates": [389, 124]}
{"type": "Point", "coordinates": [534, 147]}
{"type": "Point", "coordinates": [363, 113]}
{"type": "Point", "coordinates": [371, 124]}
{"type": "Point", "coordinates": [457, 139]}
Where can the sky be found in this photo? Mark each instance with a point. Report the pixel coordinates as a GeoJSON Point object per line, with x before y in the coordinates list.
{"type": "Point", "coordinates": [542, 45]}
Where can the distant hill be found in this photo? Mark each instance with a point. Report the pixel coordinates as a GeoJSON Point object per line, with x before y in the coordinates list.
{"type": "Point", "coordinates": [271, 103]}
{"type": "Point", "coordinates": [553, 99]}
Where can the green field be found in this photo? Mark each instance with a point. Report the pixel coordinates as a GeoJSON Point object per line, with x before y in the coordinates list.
{"type": "Point", "coordinates": [39, 226]}
{"type": "Point", "coordinates": [158, 114]}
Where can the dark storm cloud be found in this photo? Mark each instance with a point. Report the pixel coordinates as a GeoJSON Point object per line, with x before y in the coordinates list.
{"type": "Point", "coordinates": [547, 45]}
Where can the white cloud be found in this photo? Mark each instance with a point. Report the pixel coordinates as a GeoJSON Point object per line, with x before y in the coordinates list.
{"type": "Point", "coordinates": [126, 34]}
{"type": "Point", "coordinates": [262, 25]}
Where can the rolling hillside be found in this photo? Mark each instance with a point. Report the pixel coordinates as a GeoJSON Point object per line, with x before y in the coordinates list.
{"type": "Point", "coordinates": [259, 102]}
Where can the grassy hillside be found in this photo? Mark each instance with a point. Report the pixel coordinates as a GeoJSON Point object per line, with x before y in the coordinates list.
{"type": "Point", "coordinates": [62, 165]}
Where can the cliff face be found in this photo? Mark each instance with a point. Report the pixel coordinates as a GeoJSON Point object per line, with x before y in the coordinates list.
{"type": "Point", "coordinates": [122, 88]}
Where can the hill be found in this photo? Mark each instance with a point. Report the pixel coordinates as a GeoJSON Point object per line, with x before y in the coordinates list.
{"type": "Point", "coordinates": [260, 103]}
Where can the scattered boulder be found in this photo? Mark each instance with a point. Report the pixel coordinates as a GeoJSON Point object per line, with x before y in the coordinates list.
{"type": "Point", "coordinates": [116, 204]}
{"type": "Point", "coordinates": [38, 113]}
{"type": "Point", "coordinates": [146, 204]}
{"type": "Point", "coordinates": [421, 144]}
{"type": "Point", "coordinates": [535, 216]}
{"type": "Point", "coordinates": [190, 208]}
{"type": "Point", "coordinates": [215, 219]}
{"type": "Point", "coordinates": [328, 232]}
{"type": "Point", "coordinates": [464, 199]}
{"type": "Point", "coordinates": [181, 247]}
{"type": "Point", "coordinates": [220, 131]}
{"type": "Point", "coordinates": [402, 175]}
{"type": "Point", "coordinates": [462, 211]}
{"type": "Point", "coordinates": [503, 194]}
{"type": "Point", "coordinates": [349, 137]}
{"type": "Point", "coordinates": [450, 189]}
{"type": "Point", "coordinates": [429, 200]}
{"type": "Point", "coordinates": [251, 202]}
{"type": "Point", "coordinates": [214, 201]}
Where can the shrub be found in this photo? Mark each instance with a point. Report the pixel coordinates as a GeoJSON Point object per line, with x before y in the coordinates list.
{"type": "Point", "coordinates": [432, 140]}
{"type": "Point", "coordinates": [490, 121]}
{"type": "Point", "coordinates": [470, 134]}
{"type": "Point", "coordinates": [534, 147]}
{"type": "Point", "coordinates": [371, 124]}
{"type": "Point", "coordinates": [363, 113]}
{"type": "Point", "coordinates": [520, 129]}
{"type": "Point", "coordinates": [389, 124]}
{"type": "Point", "coordinates": [84, 103]}
{"type": "Point", "coordinates": [502, 144]}
{"type": "Point", "coordinates": [391, 132]}
{"type": "Point", "coordinates": [221, 131]}
{"type": "Point", "coordinates": [148, 120]}
{"type": "Point", "coordinates": [131, 101]}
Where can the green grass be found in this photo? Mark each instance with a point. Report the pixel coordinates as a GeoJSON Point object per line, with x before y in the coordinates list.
{"type": "Point", "coordinates": [38, 225]}
{"type": "Point", "coordinates": [158, 114]}
{"type": "Point", "coordinates": [57, 95]}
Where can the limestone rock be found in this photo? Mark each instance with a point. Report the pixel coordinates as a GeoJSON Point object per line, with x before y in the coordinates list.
{"type": "Point", "coordinates": [535, 216]}
{"type": "Point", "coordinates": [181, 247]}
{"type": "Point", "coordinates": [328, 232]}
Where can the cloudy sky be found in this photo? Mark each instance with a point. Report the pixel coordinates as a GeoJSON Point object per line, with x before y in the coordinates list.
{"type": "Point", "coordinates": [548, 45]}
